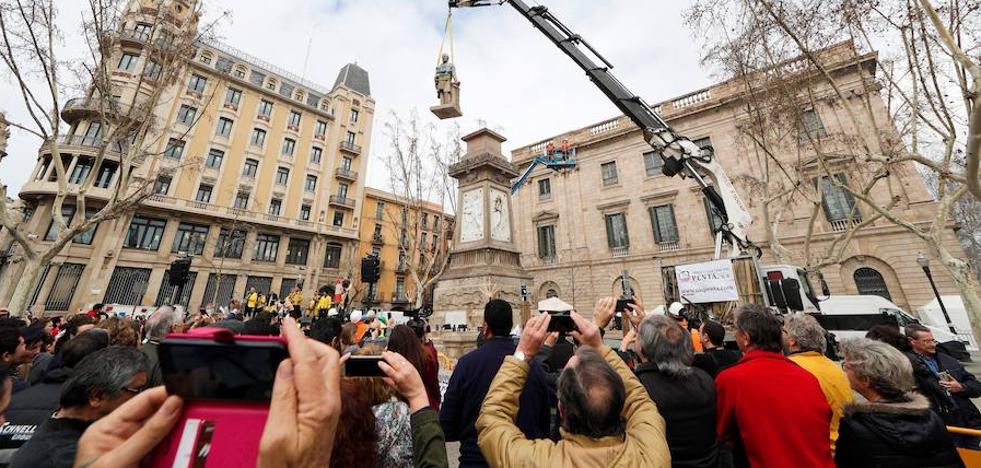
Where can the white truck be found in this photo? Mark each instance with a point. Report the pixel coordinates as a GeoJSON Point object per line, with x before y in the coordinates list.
{"type": "Point", "coordinates": [851, 316]}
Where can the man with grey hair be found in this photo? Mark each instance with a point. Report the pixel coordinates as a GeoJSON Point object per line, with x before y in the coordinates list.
{"type": "Point", "coordinates": [607, 417]}
{"type": "Point", "coordinates": [102, 382]}
{"type": "Point", "coordinates": [684, 395]}
{"type": "Point", "coordinates": [165, 320]}
{"type": "Point", "coordinates": [804, 343]}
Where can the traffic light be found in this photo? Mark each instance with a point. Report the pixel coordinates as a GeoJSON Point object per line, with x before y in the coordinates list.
{"type": "Point", "coordinates": [369, 269]}
{"type": "Point", "coordinates": [179, 271]}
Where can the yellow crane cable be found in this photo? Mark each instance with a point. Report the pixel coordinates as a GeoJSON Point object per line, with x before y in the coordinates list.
{"type": "Point", "coordinates": [447, 32]}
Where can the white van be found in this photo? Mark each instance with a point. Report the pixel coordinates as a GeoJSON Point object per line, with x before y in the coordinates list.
{"type": "Point", "coordinates": [850, 316]}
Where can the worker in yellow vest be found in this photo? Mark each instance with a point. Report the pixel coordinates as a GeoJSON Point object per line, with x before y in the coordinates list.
{"type": "Point", "coordinates": [251, 302]}
{"type": "Point", "coordinates": [296, 299]}
{"type": "Point", "coordinates": [323, 304]}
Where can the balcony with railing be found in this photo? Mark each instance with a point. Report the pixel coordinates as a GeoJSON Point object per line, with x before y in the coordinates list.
{"type": "Point", "coordinates": [842, 225]}
{"type": "Point", "coordinates": [669, 246]}
{"type": "Point", "coordinates": [350, 147]}
{"type": "Point", "coordinates": [346, 174]}
{"type": "Point", "coordinates": [343, 202]}
{"type": "Point", "coordinates": [621, 251]}
{"type": "Point", "coordinates": [399, 298]}
{"type": "Point", "coordinates": [132, 38]}
{"type": "Point", "coordinates": [80, 107]}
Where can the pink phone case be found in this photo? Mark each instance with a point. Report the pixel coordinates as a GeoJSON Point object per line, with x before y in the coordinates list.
{"type": "Point", "coordinates": [214, 433]}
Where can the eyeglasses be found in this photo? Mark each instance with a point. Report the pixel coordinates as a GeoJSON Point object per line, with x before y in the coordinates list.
{"type": "Point", "coordinates": [135, 391]}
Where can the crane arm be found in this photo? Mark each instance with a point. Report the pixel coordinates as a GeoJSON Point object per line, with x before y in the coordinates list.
{"type": "Point", "coordinates": [681, 156]}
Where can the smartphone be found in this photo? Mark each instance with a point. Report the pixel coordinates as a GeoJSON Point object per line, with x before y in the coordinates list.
{"type": "Point", "coordinates": [945, 376]}
{"type": "Point", "coordinates": [226, 384]}
{"type": "Point", "coordinates": [622, 305]}
{"type": "Point", "coordinates": [561, 322]}
{"type": "Point", "coordinates": [363, 366]}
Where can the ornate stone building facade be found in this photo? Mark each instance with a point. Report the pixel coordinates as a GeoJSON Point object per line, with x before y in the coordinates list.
{"type": "Point", "coordinates": [579, 230]}
{"type": "Point", "coordinates": [261, 180]}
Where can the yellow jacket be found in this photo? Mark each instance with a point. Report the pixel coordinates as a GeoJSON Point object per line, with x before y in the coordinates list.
{"type": "Point", "coordinates": [252, 300]}
{"type": "Point", "coordinates": [834, 384]}
{"type": "Point", "coordinates": [504, 445]}
{"type": "Point", "coordinates": [324, 303]}
{"type": "Point", "coordinates": [296, 297]}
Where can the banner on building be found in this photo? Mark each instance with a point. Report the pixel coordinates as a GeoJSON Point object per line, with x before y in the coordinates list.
{"type": "Point", "coordinates": [713, 281]}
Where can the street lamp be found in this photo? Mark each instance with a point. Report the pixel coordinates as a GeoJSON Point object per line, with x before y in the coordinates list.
{"type": "Point", "coordinates": [925, 264]}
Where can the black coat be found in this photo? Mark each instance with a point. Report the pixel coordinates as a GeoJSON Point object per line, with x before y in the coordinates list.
{"type": "Point", "coordinates": [31, 408]}
{"type": "Point", "coordinates": [688, 407]}
{"type": "Point", "coordinates": [894, 435]}
{"type": "Point", "coordinates": [716, 360]}
{"type": "Point", "coordinates": [967, 415]}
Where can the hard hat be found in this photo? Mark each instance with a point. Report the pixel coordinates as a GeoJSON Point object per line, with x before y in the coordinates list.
{"type": "Point", "coordinates": [676, 308]}
{"type": "Point", "coordinates": [331, 312]}
{"type": "Point", "coordinates": [356, 316]}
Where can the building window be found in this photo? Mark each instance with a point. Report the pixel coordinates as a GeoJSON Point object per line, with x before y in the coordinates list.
{"type": "Point", "coordinates": [282, 176]}
{"type": "Point", "coordinates": [175, 148]}
{"type": "Point", "coordinates": [152, 70]}
{"type": "Point", "coordinates": [128, 61]}
{"type": "Point", "coordinates": [714, 220]}
{"type": "Point", "coordinates": [145, 233]}
{"type": "Point", "coordinates": [871, 283]}
{"type": "Point", "coordinates": [127, 286]}
{"type": "Point", "coordinates": [206, 59]}
{"type": "Point", "coordinates": [811, 125]}
{"type": "Point", "coordinates": [663, 222]}
{"type": "Point", "coordinates": [190, 238]}
{"type": "Point", "coordinates": [316, 154]}
{"type": "Point", "coordinates": [224, 129]}
{"type": "Point", "coordinates": [266, 247]}
{"type": "Point", "coordinates": [63, 288]}
{"type": "Point", "coordinates": [354, 115]}
{"type": "Point", "coordinates": [338, 218]}
{"type": "Point", "coordinates": [311, 183]}
{"type": "Point", "coordinates": [162, 185]}
{"type": "Point", "coordinates": [346, 163]}
{"type": "Point", "coordinates": [546, 242]}
{"type": "Point", "coordinates": [80, 171]}
{"type": "Point", "coordinates": [214, 158]}
{"type": "Point", "coordinates": [435, 223]}
{"type": "Point", "coordinates": [106, 172]}
{"type": "Point", "coordinates": [544, 189]}
{"type": "Point", "coordinates": [320, 129]}
{"type": "Point", "coordinates": [297, 250]}
{"type": "Point", "coordinates": [197, 84]}
{"type": "Point", "coordinates": [251, 168]}
{"type": "Point", "coordinates": [142, 31]}
{"type": "Point", "coordinates": [233, 97]}
{"type": "Point", "coordinates": [204, 193]}
{"type": "Point", "coordinates": [609, 171]}
{"type": "Point", "coordinates": [616, 231]}
{"type": "Point", "coordinates": [86, 237]}
{"type": "Point", "coordinates": [67, 213]}
{"type": "Point", "coordinates": [294, 119]}
{"type": "Point", "coordinates": [425, 221]}
{"type": "Point", "coordinates": [653, 164]}
{"type": "Point", "coordinates": [342, 191]}
{"type": "Point", "coordinates": [275, 206]}
{"type": "Point", "coordinates": [187, 114]}
{"type": "Point", "coordinates": [305, 213]}
{"type": "Point", "coordinates": [265, 108]}
{"type": "Point", "coordinates": [239, 73]}
{"type": "Point", "coordinates": [258, 137]}
{"type": "Point", "coordinates": [838, 203]}
{"type": "Point", "coordinates": [230, 244]}
{"type": "Point", "coordinates": [380, 210]}
{"type": "Point", "coordinates": [241, 200]}
{"type": "Point", "coordinates": [93, 135]}
{"type": "Point", "coordinates": [289, 145]}
{"type": "Point", "coordinates": [332, 259]}
{"type": "Point", "coordinates": [350, 138]}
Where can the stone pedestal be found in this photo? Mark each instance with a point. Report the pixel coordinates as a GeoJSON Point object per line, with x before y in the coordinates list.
{"type": "Point", "coordinates": [484, 261]}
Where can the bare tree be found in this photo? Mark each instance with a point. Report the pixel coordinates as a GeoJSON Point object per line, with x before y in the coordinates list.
{"type": "Point", "coordinates": [418, 163]}
{"type": "Point", "coordinates": [123, 97]}
{"type": "Point", "coordinates": [929, 81]}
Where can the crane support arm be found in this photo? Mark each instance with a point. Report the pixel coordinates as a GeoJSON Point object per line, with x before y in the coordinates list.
{"type": "Point", "coordinates": [680, 154]}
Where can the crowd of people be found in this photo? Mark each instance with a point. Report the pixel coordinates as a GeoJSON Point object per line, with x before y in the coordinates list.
{"type": "Point", "coordinates": [86, 390]}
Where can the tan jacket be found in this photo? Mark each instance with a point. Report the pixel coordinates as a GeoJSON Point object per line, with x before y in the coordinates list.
{"type": "Point", "coordinates": [503, 444]}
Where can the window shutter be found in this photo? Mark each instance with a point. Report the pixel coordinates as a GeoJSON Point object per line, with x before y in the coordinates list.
{"type": "Point", "coordinates": [671, 226]}
{"type": "Point", "coordinates": [654, 224]}
{"type": "Point", "coordinates": [626, 235]}
{"type": "Point", "coordinates": [610, 238]}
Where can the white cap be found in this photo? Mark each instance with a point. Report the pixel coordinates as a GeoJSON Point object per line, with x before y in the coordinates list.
{"type": "Point", "coordinates": [553, 304]}
{"type": "Point", "coordinates": [676, 308]}
{"type": "Point", "coordinates": [355, 315]}
{"type": "Point", "coordinates": [331, 312]}
{"type": "Point", "coordinates": [371, 314]}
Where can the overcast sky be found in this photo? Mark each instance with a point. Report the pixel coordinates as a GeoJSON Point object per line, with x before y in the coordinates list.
{"type": "Point", "coordinates": [513, 78]}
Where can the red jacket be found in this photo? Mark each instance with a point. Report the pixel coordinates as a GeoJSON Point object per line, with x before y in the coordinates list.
{"type": "Point", "coordinates": [773, 413]}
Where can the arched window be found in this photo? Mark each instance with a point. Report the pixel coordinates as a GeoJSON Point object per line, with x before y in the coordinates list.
{"type": "Point", "coordinates": [870, 282]}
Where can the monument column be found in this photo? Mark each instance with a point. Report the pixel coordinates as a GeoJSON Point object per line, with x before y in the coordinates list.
{"type": "Point", "coordinates": [484, 262]}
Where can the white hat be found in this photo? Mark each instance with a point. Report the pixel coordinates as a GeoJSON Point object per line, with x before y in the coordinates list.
{"type": "Point", "coordinates": [553, 304]}
{"type": "Point", "coordinates": [371, 314]}
{"type": "Point", "coordinates": [676, 308]}
{"type": "Point", "coordinates": [331, 312]}
{"type": "Point", "coordinates": [356, 316]}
